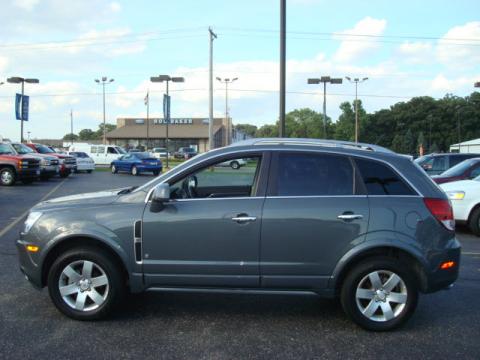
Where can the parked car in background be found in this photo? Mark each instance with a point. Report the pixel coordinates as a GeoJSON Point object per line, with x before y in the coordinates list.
{"type": "Point", "coordinates": [135, 151]}
{"type": "Point", "coordinates": [234, 164]}
{"type": "Point", "coordinates": [66, 163]}
{"type": "Point", "coordinates": [160, 153]}
{"type": "Point", "coordinates": [466, 170]}
{"type": "Point", "coordinates": [435, 164]}
{"type": "Point", "coordinates": [465, 198]}
{"type": "Point", "coordinates": [185, 153]}
{"type": "Point", "coordinates": [342, 220]}
{"type": "Point", "coordinates": [101, 154]}
{"type": "Point", "coordinates": [49, 165]}
{"type": "Point", "coordinates": [137, 163]}
{"type": "Point", "coordinates": [84, 162]}
{"type": "Point", "coordinates": [15, 167]}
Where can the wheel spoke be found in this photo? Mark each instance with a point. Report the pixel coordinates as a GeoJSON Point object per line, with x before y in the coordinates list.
{"type": "Point", "coordinates": [99, 281]}
{"type": "Point", "coordinates": [68, 289]}
{"type": "Point", "coordinates": [365, 293]}
{"type": "Point", "coordinates": [87, 269]}
{"type": "Point", "coordinates": [375, 280]}
{"type": "Point", "coordinates": [95, 296]}
{"type": "Point", "coordinates": [398, 298]}
{"type": "Point", "coordinates": [71, 273]}
{"type": "Point", "coordinates": [387, 311]}
{"type": "Point", "coordinates": [392, 281]}
{"type": "Point", "coordinates": [370, 309]}
{"type": "Point", "coordinates": [81, 298]}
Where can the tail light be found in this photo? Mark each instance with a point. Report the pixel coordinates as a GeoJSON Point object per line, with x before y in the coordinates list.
{"type": "Point", "coordinates": [441, 209]}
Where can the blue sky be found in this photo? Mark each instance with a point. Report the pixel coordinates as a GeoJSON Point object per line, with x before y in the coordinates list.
{"type": "Point", "coordinates": [403, 47]}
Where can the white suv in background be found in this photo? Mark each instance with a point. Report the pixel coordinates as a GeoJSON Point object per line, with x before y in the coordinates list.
{"type": "Point", "coordinates": [84, 162]}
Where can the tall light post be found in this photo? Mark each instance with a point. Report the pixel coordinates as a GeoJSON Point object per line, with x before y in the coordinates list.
{"type": "Point", "coordinates": [104, 81]}
{"type": "Point", "coordinates": [228, 121]}
{"type": "Point", "coordinates": [213, 36]}
{"type": "Point", "coordinates": [325, 80]}
{"type": "Point", "coordinates": [283, 51]}
{"type": "Point", "coordinates": [167, 79]}
{"type": "Point", "coordinates": [356, 81]}
{"type": "Point", "coordinates": [20, 80]}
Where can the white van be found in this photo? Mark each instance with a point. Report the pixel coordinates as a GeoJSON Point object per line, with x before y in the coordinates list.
{"type": "Point", "coordinates": [101, 154]}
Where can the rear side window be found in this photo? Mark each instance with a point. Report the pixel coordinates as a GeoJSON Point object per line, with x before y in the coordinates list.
{"type": "Point", "coordinates": [380, 179]}
{"type": "Point", "coordinates": [439, 163]}
{"type": "Point", "coordinates": [313, 174]}
{"type": "Point", "coordinates": [457, 159]}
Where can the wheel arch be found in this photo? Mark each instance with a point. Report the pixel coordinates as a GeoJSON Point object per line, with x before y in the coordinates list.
{"type": "Point", "coordinates": [80, 241]}
{"type": "Point", "coordinates": [408, 257]}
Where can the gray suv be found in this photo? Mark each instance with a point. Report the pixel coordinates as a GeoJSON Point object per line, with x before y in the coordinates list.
{"type": "Point", "coordinates": [345, 220]}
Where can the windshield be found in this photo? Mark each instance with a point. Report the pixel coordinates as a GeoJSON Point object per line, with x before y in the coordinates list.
{"type": "Point", "coordinates": [120, 150]}
{"type": "Point", "coordinates": [6, 149]}
{"type": "Point", "coordinates": [42, 149]}
{"type": "Point", "coordinates": [459, 169]}
{"type": "Point", "coordinates": [79, 154]}
{"type": "Point", "coordinates": [22, 149]}
{"type": "Point", "coordinates": [423, 159]}
{"type": "Point", "coordinates": [189, 150]}
{"type": "Point", "coordinates": [143, 155]}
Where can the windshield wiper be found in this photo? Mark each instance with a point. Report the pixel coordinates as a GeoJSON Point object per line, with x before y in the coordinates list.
{"type": "Point", "coordinates": [127, 190]}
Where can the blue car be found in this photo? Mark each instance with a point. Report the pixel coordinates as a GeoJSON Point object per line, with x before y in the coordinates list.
{"type": "Point", "coordinates": [136, 163]}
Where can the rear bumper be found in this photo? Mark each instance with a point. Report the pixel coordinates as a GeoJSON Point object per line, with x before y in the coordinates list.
{"type": "Point", "coordinates": [142, 168]}
{"type": "Point", "coordinates": [438, 279]}
{"type": "Point", "coordinates": [84, 167]}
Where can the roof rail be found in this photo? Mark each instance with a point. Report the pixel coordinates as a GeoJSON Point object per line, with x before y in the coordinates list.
{"type": "Point", "coordinates": [313, 142]}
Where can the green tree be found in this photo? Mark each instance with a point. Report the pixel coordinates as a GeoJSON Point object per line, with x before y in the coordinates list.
{"type": "Point", "coordinates": [108, 128]}
{"type": "Point", "coordinates": [345, 126]}
{"type": "Point", "coordinates": [70, 137]}
{"type": "Point", "coordinates": [87, 134]}
{"type": "Point", "coordinates": [248, 129]}
{"type": "Point", "coordinates": [267, 130]}
{"type": "Point", "coordinates": [409, 142]}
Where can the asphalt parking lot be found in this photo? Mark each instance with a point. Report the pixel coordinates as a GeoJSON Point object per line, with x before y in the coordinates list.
{"type": "Point", "coordinates": [180, 326]}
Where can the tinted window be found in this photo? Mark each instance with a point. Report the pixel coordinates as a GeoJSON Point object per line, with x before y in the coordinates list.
{"type": "Point", "coordinates": [379, 179]}
{"type": "Point", "coordinates": [459, 169]}
{"type": "Point", "coordinates": [143, 155]}
{"type": "Point", "coordinates": [313, 174]}
{"type": "Point", "coordinates": [111, 150]}
{"type": "Point", "coordinates": [475, 172]}
{"type": "Point", "coordinates": [6, 149]}
{"type": "Point", "coordinates": [43, 149]}
{"type": "Point", "coordinates": [439, 163]}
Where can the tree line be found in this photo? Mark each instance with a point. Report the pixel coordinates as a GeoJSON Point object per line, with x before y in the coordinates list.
{"type": "Point", "coordinates": [433, 124]}
{"type": "Point", "coordinates": [89, 134]}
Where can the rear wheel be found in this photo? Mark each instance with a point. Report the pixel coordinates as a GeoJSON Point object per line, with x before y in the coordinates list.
{"type": "Point", "coordinates": [379, 294]}
{"type": "Point", "coordinates": [235, 165]}
{"type": "Point", "coordinates": [134, 170]}
{"type": "Point", "coordinates": [156, 173]}
{"type": "Point", "coordinates": [114, 169]}
{"type": "Point", "coordinates": [474, 222]}
{"type": "Point", "coordinates": [7, 176]}
{"type": "Point", "coordinates": [85, 284]}
{"type": "Point", "coordinates": [89, 171]}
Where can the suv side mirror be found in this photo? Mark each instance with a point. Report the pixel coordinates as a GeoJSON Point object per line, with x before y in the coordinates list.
{"type": "Point", "coordinates": [161, 193]}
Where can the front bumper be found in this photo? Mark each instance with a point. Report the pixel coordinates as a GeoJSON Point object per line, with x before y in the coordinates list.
{"type": "Point", "coordinates": [28, 173]}
{"type": "Point", "coordinates": [28, 266]}
{"type": "Point", "coordinates": [49, 170]}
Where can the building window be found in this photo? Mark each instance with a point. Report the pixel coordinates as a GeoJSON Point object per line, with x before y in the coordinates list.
{"type": "Point", "coordinates": [139, 121]}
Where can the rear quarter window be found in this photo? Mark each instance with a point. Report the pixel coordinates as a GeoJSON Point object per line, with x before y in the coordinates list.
{"type": "Point", "coordinates": [380, 179]}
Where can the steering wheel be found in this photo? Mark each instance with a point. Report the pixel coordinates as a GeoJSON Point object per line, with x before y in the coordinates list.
{"type": "Point", "coordinates": [189, 186]}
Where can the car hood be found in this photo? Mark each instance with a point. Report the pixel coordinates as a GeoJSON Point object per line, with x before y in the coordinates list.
{"type": "Point", "coordinates": [88, 199]}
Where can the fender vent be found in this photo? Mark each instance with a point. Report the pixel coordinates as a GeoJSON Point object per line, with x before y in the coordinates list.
{"type": "Point", "coordinates": [137, 240]}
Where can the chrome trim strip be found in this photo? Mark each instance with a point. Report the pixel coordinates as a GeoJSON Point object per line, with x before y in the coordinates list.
{"type": "Point", "coordinates": [138, 240]}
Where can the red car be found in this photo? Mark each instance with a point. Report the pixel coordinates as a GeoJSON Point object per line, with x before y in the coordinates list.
{"type": "Point", "coordinates": [466, 170]}
{"type": "Point", "coordinates": [67, 163]}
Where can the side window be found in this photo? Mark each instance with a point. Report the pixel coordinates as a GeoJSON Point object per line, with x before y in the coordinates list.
{"type": "Point", "coordinates": [379, 179]}
{"type": "Point", "coordinates": [93, 149]}
{"type": "Point", "coordinates": [456, 159]}
{"type": "Point", "coordinates": [111, 150]}
{"type": "Point", "coordinates": [300, 174]}
{"type": "Point", "coordinates": [439, 163]}
{"type": "Point", "coordinates": [231, 178]}
{"type": "Point", "coordinates": [475, 172]}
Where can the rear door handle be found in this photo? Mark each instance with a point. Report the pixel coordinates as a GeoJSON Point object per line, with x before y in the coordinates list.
{"type": "Point", "coordinates": [243, 219]}
{"type": "Point", "coordinates": [350, 216]}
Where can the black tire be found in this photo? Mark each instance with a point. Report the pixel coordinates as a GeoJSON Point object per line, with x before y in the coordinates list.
{"type": "Point", "coordinates": [7, 176]}
{"type": "Point", "coordinates": [116, 282]}
{"type": "Point", "coordinates": [474, 221]}
{"type": "Point", "coordinates": [89, 171]}
{"type": "Point", "coordinates": [235, 165]}
{"type": "Point", "coordinates": [44, 177]}
{"type": "Point", "coordinates": [114, 169]}
{"type": "Point", "coordinates": [64, 174]}
{"type": "Point", "coordinates": [156, 173]}
{"type": "Point", "coordinates": [134, 171]}
{"type": "Point", "coordinates": [355, 277]}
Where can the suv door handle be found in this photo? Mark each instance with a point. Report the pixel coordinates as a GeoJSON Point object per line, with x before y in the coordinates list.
{"type": "Point", "coordinates": [243, 218]}
{"type": "Point", "coordinates": [350, 216]}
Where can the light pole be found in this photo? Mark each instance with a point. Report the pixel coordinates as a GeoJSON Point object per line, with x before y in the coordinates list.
{"type": "Point", "coordinates": [20, 80]}
{"type": "Point", "coordinates": [166, 79]}
{"type": "Point", "coordinates": [356, 81]}
{"type": "Point", "coordinates": [213, 36]}
{"type": "Point", "coordinates": [104, 81]}
{"type": "Point", "coordinates": [228, 122]}
{"type": "Point", "coordinates": [283, 46]}
{"type": "Point", "coordinates": [28, 136]}
{"type": "Point", "coordinates": [325, 80]}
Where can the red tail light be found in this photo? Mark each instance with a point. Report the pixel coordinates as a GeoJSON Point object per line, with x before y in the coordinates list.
{"type": "Point", "coordinates": [442, 211]}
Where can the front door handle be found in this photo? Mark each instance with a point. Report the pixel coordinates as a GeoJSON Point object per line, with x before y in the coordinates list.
{"type": "Point", "coordinates": [243, 218]}
{"type": "Point", "coordinates": [350, 216]}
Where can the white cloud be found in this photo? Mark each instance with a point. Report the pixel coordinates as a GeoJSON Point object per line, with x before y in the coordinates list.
{"type": "Point", "coordinates": [465, 54]}
{"type": "Point", "coordinates": [441, 84]}
{"type": "Point", "coordinates": [353, 47]}
{"type": "Point", "coordinates": [28, 5]}
{"type": "Point", "coordinates": [416, 52]}
{"type": "Point", "coordinates": [115, 6]}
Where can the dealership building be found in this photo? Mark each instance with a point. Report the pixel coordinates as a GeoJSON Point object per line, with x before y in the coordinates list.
{"type": "Point", "coordinates": [182, 132]}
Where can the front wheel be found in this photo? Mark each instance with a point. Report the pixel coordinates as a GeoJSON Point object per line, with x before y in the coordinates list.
{"type": "Point", "coordinates": [85, 284]}
{"type": "Point", "coordinates": [89, 171]}
{"type": "Point", "coordinates": [114, 169]}
{"type": "Point", "coordinates": [134, 171]}
{"type": "Point", "coordinates": [235, 165]}
{"type": "Point", "coordinates": [156, 173]}
{"type": "Point", "coordinates": [379, 294]}
{"type": "Point", "coordinates": [7, 177]}
{"type": "Point", "coordinates": [474, 221]}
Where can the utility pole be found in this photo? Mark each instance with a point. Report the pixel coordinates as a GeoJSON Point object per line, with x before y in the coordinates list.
{"type": "Point", "coordinates": [20, 80]}
{"type": "Point", "coordinates": [71, 126]}
{"type": "Point", "coordinates": [213, 36]}
{"type": "Point", "coordinates": [166, 79]}
{"type": "Point", "coordinates": [356, 81]}
{"type": "Point", "coordinates": [147, 102]}
{"type": "Point", "coordinates": [324, 80]}
{"type": "Point", "coordinates": [104, 81]}
{"type": "Point", "coordinates": [228, 120]}
{"type": "Point", "coordinates": [283, 40]}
